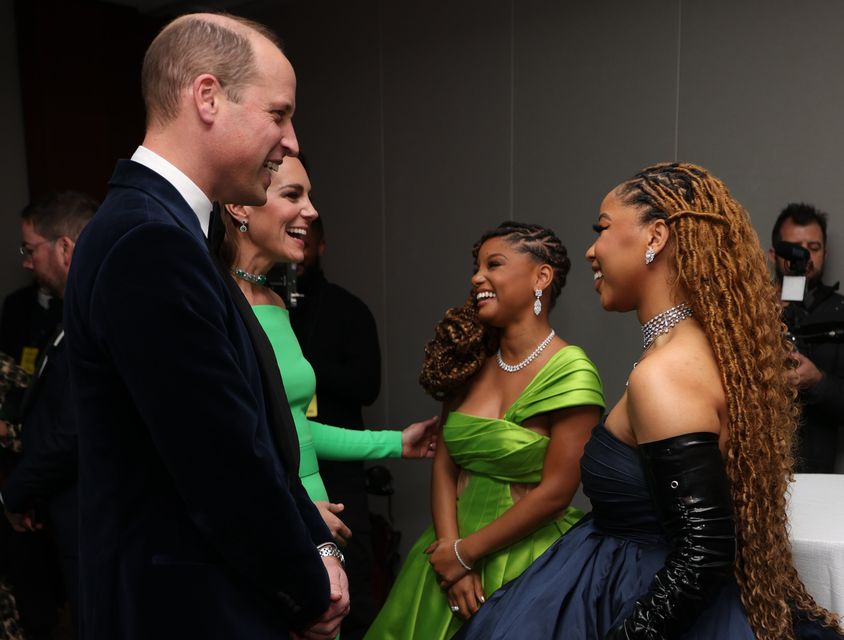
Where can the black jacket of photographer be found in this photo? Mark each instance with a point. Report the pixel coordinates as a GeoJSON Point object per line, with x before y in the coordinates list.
{"type": "Point", "coordinates": [821, 312]}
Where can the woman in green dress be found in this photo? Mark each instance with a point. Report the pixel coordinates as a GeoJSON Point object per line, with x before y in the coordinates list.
{"type": "Point", "coordinates": [255, 239]}
{"type": "Point", "coordinates": [519, 405]}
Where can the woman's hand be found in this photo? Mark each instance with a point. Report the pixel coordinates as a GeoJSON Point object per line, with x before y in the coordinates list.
{"type": "Point", "coordinates": [445, 563]}
{"type": "Point", "coordinates": [467, 594]}
{"type": "Point", "coordinates": [419, 440]}
{"type": "Point", "coordinates": [339, 530]}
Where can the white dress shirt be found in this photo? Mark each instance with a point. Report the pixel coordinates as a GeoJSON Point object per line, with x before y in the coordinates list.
{"type": "Point", "coordinates": [186, 187]}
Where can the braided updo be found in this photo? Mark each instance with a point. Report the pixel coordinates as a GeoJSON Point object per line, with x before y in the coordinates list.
{"type": "Point", "coordinates": [461, 341]}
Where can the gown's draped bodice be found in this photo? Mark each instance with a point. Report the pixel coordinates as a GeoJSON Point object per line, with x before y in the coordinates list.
{"type": "Point", "coordinates": [614, 482]}
{"type": "Point", "coordinates": [498, 449]}
{"type": "Point", "coordinates": [502, 448]}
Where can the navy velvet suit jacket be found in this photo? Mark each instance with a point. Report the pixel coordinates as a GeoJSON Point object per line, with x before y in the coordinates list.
{"type": "Point", "coordinates": [191, 524]}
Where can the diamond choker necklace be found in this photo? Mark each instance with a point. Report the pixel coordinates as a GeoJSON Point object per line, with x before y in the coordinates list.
{"type": "Point", "coordinates": [249, 277]}
{"type": "Point", "coordinates": [663, 323]}
{"type": "Point", "coordinates": [512, 368]}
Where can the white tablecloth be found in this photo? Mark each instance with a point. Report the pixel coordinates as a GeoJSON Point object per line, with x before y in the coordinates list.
{"type": "Point", "coordinates": [816, 516]}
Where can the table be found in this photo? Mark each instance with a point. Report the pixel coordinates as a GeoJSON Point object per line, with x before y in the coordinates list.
{"type": "Point", "coordinates": [816, 517]}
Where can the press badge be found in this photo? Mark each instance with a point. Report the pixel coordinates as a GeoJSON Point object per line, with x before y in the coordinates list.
{"type": "Point", "coordinates": [28, 358]}
{"type": "Point", "coordinates": [312, 409]}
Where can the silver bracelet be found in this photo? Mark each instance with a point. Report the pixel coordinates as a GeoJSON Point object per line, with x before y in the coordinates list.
{"type": "Point", "coordinates": [459, 559]}
{"type": "Point", "coordinates": [331, 550]}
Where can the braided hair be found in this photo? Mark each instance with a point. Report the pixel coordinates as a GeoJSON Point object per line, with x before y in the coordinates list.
{"type": "Point", "coordinates": [461, 342]}
{"type": "Point", "coordinates": [719, 261]}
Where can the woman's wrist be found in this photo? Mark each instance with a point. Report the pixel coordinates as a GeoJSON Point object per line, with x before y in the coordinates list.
{"type": "Point", "coordinates": [467, 551]}
{"type": "Point", "coordinates": [460, 559]}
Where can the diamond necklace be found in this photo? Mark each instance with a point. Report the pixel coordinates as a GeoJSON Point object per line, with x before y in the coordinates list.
{"type": "Point", "coordinates": [512, 368]}
{"type": "Point", "coordinates": [663, 322]}
{"type": "Point", "coordinates": [249, 277]}
{"type": "Point", "coordinates": [660, 324]}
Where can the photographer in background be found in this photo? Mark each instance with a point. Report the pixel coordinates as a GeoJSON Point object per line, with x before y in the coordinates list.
{"type": "Point", "coordinates": [817, 323]}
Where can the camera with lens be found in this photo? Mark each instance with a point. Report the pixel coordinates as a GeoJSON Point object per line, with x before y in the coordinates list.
{"type": "Point", "coordinates": [793, 284]}
{"type": "Point", "coordinates": [794, 275]}
{"type": "Point", "coordinates": [802, 332]}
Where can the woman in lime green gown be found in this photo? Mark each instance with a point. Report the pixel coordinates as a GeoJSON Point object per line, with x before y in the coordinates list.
{"type": "Point", "coordinates": [517, 418]}
{"type": "Point", "coordinates": [255, 239]}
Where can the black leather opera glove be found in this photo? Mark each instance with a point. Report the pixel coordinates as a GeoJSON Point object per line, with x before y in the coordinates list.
{"type": "Point", "coordinates": [689, 486]}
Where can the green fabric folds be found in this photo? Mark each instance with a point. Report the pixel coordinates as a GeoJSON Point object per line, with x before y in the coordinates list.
{"type": "Point", "coordinates": [496, 453]}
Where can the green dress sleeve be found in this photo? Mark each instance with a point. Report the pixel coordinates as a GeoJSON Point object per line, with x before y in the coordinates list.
{"type": "Point", "coordinates": [334, 443]}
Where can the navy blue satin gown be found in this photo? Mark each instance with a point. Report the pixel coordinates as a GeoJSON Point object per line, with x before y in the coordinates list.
{"type": "Point", "coordinates": [588, 580]}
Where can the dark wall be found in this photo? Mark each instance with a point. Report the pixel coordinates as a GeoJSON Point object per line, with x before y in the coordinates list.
{"type": "Point", "coordinates": [80, 65]}
{"type": "Point", "coordinates": [13, 180]}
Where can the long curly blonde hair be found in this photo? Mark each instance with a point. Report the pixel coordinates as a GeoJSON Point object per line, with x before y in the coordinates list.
{"type": "Point", "coordinates": [719, 262]}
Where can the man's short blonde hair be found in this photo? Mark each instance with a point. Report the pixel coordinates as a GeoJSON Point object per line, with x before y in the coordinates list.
{"type": "Point", "coordinates": [194, 44]}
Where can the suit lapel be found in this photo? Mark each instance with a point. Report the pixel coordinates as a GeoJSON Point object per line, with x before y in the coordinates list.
{"type": "Point", "coordinates": [275, 397]}
{"type": "Point", "coordinates": [132, 175]}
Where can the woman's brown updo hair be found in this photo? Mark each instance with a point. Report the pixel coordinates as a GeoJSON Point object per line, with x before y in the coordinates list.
{"type": "Point", "coordinates": [461, 341]}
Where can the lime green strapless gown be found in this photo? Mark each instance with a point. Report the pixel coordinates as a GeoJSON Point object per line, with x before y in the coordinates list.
{"type": "Point", "coordinates": [496, 452]}
{"type": "Point", "coordinates": [316, 439]}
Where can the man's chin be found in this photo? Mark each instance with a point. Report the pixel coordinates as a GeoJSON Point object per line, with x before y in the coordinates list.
{"type": "Point", "coordinates": [254, 198]}
{"type": "Point", "coordinates": [49, 289]}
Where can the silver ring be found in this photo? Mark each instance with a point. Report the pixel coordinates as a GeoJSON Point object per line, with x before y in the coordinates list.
{"type": "Point", "coordinates": [454, 608]}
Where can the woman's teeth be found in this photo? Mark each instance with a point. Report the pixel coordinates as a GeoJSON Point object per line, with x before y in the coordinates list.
{"type": "Point", "coordinates": [297, 232]}
{"type": "Point", "coordinates": [482, 295]}
{"type": "Point", "coordinates": [597, 275]}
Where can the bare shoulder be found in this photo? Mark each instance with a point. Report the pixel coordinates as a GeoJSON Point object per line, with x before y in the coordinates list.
{"type": "Point", "coordinates": [676, 390]}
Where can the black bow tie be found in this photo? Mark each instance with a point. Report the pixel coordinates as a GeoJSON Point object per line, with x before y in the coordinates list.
{"type": "Point", "coordinates": [216, 230]}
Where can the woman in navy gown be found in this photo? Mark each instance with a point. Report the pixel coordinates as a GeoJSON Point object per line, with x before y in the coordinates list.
{"type": "Point", "coordinates": [687, 474]}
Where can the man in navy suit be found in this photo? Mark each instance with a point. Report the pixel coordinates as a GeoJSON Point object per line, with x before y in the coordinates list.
{"type": "Point", "coordinates": [44, 479]}
{"type": "Point", "coordinates": [193, 522]}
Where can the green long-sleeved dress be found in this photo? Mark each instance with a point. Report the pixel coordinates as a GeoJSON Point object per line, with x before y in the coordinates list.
{"type": "Point", "coordinates": [316, 440]}
{"type": "Point", "coordinates": [497, 453]}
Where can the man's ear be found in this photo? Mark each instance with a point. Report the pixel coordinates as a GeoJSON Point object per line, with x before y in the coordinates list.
{"type": "Point", "coordinates": [772, 256]}
{"type": "Point", "coordinates": [65, 246]}
{"type": "Point", "coordinates": [321, 248]}
{"type": "Point", "coordinates": [207, 95]}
